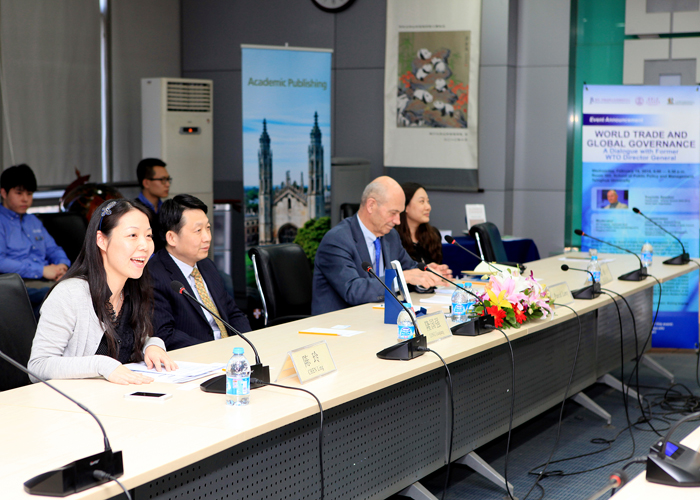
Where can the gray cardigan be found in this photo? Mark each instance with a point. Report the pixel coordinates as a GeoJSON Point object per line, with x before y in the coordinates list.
{"type": "Point", "coordinates": [68, 335]}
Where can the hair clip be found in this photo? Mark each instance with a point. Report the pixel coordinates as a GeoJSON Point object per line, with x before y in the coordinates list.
{"type": "Point", "coordinates": [106, 211]}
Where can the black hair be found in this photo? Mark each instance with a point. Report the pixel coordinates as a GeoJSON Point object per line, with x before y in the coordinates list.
{"type": "Point", "coordinates": [144, 170]}
{"type": "Point", "coordinates": [90, 267]}
{"type": "Point", "coordinates": [428, 237]}
{"type": "Point", "coordinates": [19, 175]}
{"type": "Point", "coordinates": [170, 213]}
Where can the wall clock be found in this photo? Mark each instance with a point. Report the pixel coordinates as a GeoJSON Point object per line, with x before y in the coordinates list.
{"type": "Point", "coordinates": [332, 5]}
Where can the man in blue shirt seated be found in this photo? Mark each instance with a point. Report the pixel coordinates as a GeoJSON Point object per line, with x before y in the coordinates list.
{"type": "Point", "coordinates": [155, 182]}
{"type": "Point", "coordinates": [26, 248]}
{"type": "Point", "coordinates": [368, 236]}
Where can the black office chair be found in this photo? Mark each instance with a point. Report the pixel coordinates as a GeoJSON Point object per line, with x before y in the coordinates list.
{"type": "Point", "coordinates": [492, 244]}
{"type": "Point", "coordinates": [17, 328]}
{"type": "Point", "coordinates": [67, 229]}
{"type": "Point", "coordinates": [283, 277]}
{"type": "Point", "coordinates": [348, 210]}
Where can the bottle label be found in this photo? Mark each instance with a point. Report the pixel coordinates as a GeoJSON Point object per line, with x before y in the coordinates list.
{"type": "Point", "coordinates": [406, 332]}
{"type": "Point", "coordinates": [596, 275]}
{"type": "Point", "coordinates": [647, 256]}
{"type": "Point", "coordinates": [459, 309]}
{"type": "Point", "coordinates": [237, 386]}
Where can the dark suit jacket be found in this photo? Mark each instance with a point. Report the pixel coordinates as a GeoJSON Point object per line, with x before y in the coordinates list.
{"type": "Point", "coordinates": [339, 280]}
{"type": "Point", "coordinates": [176, 319]}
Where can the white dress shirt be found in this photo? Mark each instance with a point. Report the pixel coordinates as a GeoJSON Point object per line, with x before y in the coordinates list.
{"type": "Point", "coordinates": [187, 272]}
{"type": "Point", "coordinates": [369, 240]}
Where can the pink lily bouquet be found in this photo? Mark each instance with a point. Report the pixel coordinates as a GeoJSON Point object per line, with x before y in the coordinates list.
{"type": "Point", "coordinates": [513, 299]}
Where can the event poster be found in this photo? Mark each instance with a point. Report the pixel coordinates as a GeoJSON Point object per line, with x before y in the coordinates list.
{"type": "Point", "coordinates": [640, 150]}
{"type": "Point", "coordinates": [286, 96]}
{"type": "Point", "coordinates": [431, 81]}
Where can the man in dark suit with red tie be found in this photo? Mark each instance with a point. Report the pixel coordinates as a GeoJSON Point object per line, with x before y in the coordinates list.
{"type": "Point", "coordinates": [177, 319]}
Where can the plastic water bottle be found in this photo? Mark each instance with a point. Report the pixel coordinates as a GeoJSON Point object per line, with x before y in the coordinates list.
{"type": "Point", "coordinates": [471, 301]}
{"type": "Point", "coordinates": [647, 254]}
{"type": "Point", "coordinates": [405, 326]}
{"type": "Point", "coordinates": [594, 268]}
{"type": "Point", "coordinates": [460, 304]}
{"type": "Point", "coordinates": [237, 379]}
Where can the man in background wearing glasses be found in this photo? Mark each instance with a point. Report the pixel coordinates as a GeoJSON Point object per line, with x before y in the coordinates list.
{"type": "Point", "coordinates": [155, 185]}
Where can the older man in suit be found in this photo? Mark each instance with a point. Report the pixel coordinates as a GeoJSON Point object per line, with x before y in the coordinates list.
{"type": "Point", "coordinates": [176, 319]}
{"type": "Point", "coordinates": [368, 236]}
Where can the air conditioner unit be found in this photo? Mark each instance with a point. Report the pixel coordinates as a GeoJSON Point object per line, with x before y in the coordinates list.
{"type": "Point", "coordinates": [177, 127]}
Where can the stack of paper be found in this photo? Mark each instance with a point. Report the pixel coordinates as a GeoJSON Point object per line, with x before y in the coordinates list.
{"type": "Point", "coordinates": [186, 372]}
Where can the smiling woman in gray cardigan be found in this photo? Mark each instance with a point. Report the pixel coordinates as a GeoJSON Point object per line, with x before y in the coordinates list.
{"type": "Point", "coordinates": [97, 317]}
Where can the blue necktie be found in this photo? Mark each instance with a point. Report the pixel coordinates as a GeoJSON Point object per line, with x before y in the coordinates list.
{"type": "Point", "coordinates": [377, 255]}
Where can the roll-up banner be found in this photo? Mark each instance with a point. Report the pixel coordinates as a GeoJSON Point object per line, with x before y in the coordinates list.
{"type": "Point", "coordinates": [641, 150]}
{"type": "Point", "coordinates": [286, 94]}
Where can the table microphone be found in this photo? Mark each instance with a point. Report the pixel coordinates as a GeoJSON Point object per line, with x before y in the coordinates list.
{"type": "Point", "coordinates": [408, 349]}
{"type": "Point", "coordinates": [681, 259]}
{"type": "Point", "coordinates": [673, 463]}
{"type": "Point", "coordinates": [636, 275]}
{"type": "Point", "coordinates": [587, 292]}
{"type": "Point", "coordinates": [81, 474]}
{"type": "Point", "coordinates": [482, 324]}
{"type": "Point", "coordinates": [449, 239]}
{"type": "Point", "coordinates": [218, 384]}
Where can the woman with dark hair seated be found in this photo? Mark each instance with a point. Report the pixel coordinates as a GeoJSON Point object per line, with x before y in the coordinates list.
{"type": "Point", "coordinates": [98, 315]}
{"type": "Point", "coordinates": [419, 238]}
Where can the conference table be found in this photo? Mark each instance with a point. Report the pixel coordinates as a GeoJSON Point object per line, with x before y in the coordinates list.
{"type": "Point", "coordinates": [385, 422]}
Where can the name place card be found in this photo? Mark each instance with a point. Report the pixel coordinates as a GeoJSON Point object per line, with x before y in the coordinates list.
{"type": "Point", "coordinates": [605, 275]}
{"type": "Point", "coordinates": [434, 326]}
{"type": "Point", "coordinates": [560, 293]}
{"type": "Point", "coordinates": [308, 363]}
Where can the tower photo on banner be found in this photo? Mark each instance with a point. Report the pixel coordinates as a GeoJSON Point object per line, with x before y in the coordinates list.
{"type": "Point", "coordinates": [431, 80]}
{"type": "Point", "coordinates": [286, 140]}
{"type": "Point", "coordinates": [640, 150]}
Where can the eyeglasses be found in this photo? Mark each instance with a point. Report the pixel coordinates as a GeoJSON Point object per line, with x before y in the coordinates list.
{"type": "Point", "coordinates": [164, 180]}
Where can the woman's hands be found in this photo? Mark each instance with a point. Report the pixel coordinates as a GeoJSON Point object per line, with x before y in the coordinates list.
{"type": "Point", "coordinates": [123, 376]}
{"type": "Point", "coordinates": [158, 358]}
{"type": "Point", "coordinates": [153, 357]}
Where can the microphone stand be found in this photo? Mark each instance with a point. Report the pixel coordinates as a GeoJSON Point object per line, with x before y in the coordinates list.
{"type": "Point", "coordinates": [449, 239]}
{"type": "Point", "coordinates": [218, 384]}
{"type": "Point", "coordinates": [587, 292]}
{"type": "Point", "coordinates": [408, 349]}
{"type": "Point", "coordinates": [679, 260]}
{"type": "Point", "coordinates": [80, 474]}
{"type": "Point", "coordinates": [636, 275]}
{"type": "Point", "coordinates": [477, 326]}
{"type": "Point", "coordinates": [677, 466]}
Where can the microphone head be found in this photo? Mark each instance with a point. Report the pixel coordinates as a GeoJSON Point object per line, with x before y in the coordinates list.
{"type": "Point", "coordinates": [635, 210]}
{"type": "Point", "coordinates": [564, 267]}
{"type": "Point", "coordinates": [367, 266]}
{"type": "Point", "coordinates": [620, 477]}
{"type": "Point", "coordinates": [177, 287]}
{"type": "Point", "coordinates": [579, 232]}
{"type": "Point", "coordinates": [449, 239]}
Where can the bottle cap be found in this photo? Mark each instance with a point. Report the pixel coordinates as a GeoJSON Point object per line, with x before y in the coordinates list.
{"type": "Point", "coordinates": [595, 257]}
{"type": "Point", "coordinates": [237, 350]}
{"type": "Point", "coordinates": [468, 285]}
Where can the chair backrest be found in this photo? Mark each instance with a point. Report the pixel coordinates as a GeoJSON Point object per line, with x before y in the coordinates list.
{"type": "Point", "coordinates": [491, 243]}
{"type": "Point", "coordinates": [68, 229]}
{"type": "Point", "coordinates": [348, 210]}
{"type": "Point", "coordinates": [17, 328]}
{"type": "Point", "coordinates": [284, 277]}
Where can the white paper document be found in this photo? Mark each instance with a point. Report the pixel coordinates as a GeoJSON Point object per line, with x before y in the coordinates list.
{"type": "Point", "coordinates": [186, 372]}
